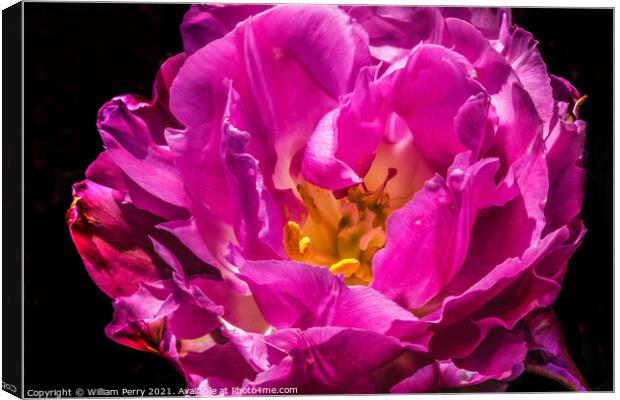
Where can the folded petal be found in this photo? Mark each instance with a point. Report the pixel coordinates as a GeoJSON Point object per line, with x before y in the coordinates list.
{"type": "Point", "coordinates": [292, 294]}
{"type": "Point", "coordinates": [204, 23]}
{"type": "Point", "coordinates": [545, 338]}
{"type": "Point", "coordinates": [501, 298]}
{"type": "Point", "coordinates": [326, 359]}
{"type": "Point", "coordinates": [428, 93]}
{"type": "Point", "coordinates": [158, 311]}
{"type": "Point", "coordinates": [320, 56]}
{"type": "Point", "coordinates": [565, 149]}
{"type": "Point", "coordinates": [258, 228]}
{"type": "Point", "coordinates": [499, 358]}
{"type": "Point", "coordinates": [521, 50]}
{"type": "Point", "coordinates": [342, 147]}
{"type": "Point", "coordinates": [428, 238]}
{"type": "Point", "coordinates": [220, 367]}
{"type": "Point", "coordinates": [393, 31]}
{"type": "Point", "coordinates": [111, 236]}
{"type": "Point", "coordinates": [129, 143]}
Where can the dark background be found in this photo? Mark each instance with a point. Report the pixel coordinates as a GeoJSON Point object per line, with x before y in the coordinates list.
{"type": "Point", "coordinates": [77, 56]}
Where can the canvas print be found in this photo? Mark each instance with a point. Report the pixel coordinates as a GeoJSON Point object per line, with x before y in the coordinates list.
{"type": "Point", "coordinates": [293, 199]}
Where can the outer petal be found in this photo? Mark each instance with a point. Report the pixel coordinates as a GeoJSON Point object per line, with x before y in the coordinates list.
{"type": "Point", "coordinates": [393, 31]}
{"type": "Point", "coordinates": [520, 50]}
{"type": "Point", "coordinates": [500, 357]}
{"type": "Point", "coordinates": [545, 337]}
{"type": "Point", "coordinates": [112, 238]}
{"type": "Point", "coordinates": [129, 143]}
{"type": "Point", "coordinates": [146, 318]}
{"type": "Point", "coordinates": [501, 298]}
{"type": "Point", "coordinates": [326, 359]}
{"type": "Point", "coordinates": [565, 147]}
{"type": "Point", "coordinates": [133, 132]}
{"type": "Point", "coordinates": [203, 23]}
{"type": "Point", "coordinates": [221, 367]}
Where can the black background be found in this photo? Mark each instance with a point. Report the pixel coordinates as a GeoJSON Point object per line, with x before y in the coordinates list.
{"type": "Point", "coordinates": [77, 56]}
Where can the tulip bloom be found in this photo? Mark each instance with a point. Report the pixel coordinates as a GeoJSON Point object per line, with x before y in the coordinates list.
{"type": "Point", "coordinates": [340, 200]}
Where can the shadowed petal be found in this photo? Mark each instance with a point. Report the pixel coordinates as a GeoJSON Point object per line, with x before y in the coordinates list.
{"type": "Point", "coordinates": [545, 337]}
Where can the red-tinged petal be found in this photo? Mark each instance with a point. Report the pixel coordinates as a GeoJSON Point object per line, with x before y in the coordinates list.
{"type": "Point", "coordinates": [112, 238]}
{"type": "Point", "coordinates": [157, 310]}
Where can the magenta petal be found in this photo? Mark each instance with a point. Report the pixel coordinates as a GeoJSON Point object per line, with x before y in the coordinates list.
{"type": "Point", "coordinates": [428, 238]}
{"type": "Point", "coordinates": [440, 375]}
{"type": "Point", "coordinates": [520, 50]}
{"type": "Point", "coordinates": [292, 294]}
{"type": "Point", "coordinates": [326, 359]}
{"type": "Point", "coordinates": [105, 172]}
{"type": "Point", "coordinates": [489, 20]}
{"type": "Point", "coordinates": [474, 123]}
{"type": "Point", "coordinates": [545, 337]}
{"type": "Point", "coordinates": [128, 141]}
{"type": "Point", "coordinates": [428, 94]}
{"type": "Point", "coordinates": [501, 298]}
{"type": "Point", "coordinates": [112, 239]}
{"type": "Point", "coordinates": [221, 367]}
{"type": "Point", "coordinates": [144, 319]}
{"type": "Point", "coordinates": [342, 147]}
{"type": "Point", "coordinates": [566, 174]}
{"type": "Point", "coordinates": [258, 228]}
{"type": "Point", "coordinates": [500, 356]}
{"type": "Point", "coordinates": [492, 70]}
{"type": "Point", "coordinates": [203, 23]}
{"type": "Point", "coordinates": [393, 31]}
{"type": "Point", "coordinates": [319, 55]}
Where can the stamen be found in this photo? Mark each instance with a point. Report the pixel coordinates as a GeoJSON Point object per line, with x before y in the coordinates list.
{"type": "Point", "coordinates": [346, 266]}
{"type": "Point", "coordinates": [304, 245]}
{"type": "Point", "coordinates": [297, 247]}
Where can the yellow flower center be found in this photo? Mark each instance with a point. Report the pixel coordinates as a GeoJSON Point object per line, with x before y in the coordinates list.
{"type": "Point", "coordinates": [341, 234]}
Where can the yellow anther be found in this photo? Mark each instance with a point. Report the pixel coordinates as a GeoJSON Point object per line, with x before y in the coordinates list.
{"type": "Point", "coordinates": [304, 245]}
{"type": "Point", "coordinates": [296, 245]}
{"type": "Point", "coordinates": [346, 266]}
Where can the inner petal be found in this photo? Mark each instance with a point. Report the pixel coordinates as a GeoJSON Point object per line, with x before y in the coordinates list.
{"type": "Point", "coordinates": [343, 231]}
